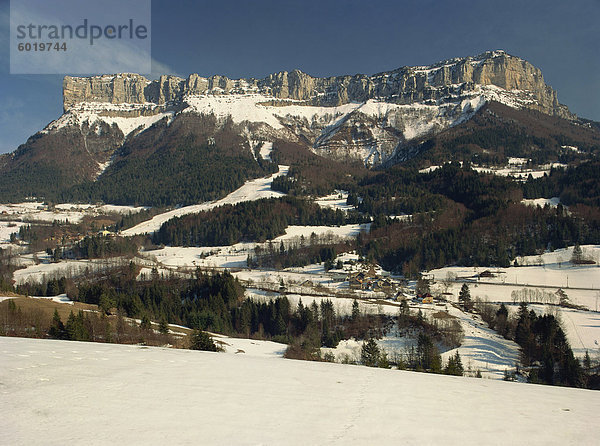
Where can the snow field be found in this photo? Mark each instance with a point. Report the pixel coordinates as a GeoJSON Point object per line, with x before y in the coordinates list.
{"type": "Point", "coordinates": [345, 231]}
{"type": "Point", "coordinates": [539, 285]}
{"type": "Point", "coordinates": [542, 202]}
{"type": "Point", "coordinates": [149, 395]}
{"type": "Point", "coordinates": [250, 347]}
{"type": "Point", "coordinates": [93, 112]}
{"type": "Point", "coordinates": [552, 269]}
{"type": "Point", "coordinates": [68, 268]}
{"type": "Point", "coordinates": [337, 200]}
{"type": "Point", "coordinates": [6, 229]}
{"type": "Point", "coordinates": [265, 150]}
{"type": "Point", "coordinates": [236, 256]}
{"type": "Point", "coordinates": [482, 348]}
{"type": "Point", "coordinates": [74, 213]}
{"type": "Point", "coordinates": [514, 170]}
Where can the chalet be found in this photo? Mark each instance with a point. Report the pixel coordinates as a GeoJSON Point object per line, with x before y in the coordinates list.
{"type": "Point", "coordinates": [427, 298]}
{"type": "Point", "coordinates": [384, 285]}
{"type": "Point", "coordinates": [486, 274]}
{"type": "Point", "coordinates": [358, 280]}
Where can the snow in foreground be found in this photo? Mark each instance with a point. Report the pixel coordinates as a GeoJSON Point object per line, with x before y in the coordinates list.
{"type": "Point", "coordinates": [57, 392]}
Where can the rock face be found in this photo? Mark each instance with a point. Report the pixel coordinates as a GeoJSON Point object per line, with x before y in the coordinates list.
{"type": "Point", "coordinates": [406, 85]}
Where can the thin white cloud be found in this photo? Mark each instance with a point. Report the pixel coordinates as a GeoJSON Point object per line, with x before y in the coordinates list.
{"type": "Point", "coordinates": [104, 56]}
{"type": "Point", "coordinates": [159, 68]}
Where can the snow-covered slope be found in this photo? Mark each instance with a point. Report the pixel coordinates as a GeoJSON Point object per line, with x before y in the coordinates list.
{"type": "Point", "coordinates": [127, 117]}
{"type": "Point", "coordinates": [250, 191]}
{"type": "Point", "coordinates": [356, 130]}
{"type": "Point", "coordinates": [57, 392]}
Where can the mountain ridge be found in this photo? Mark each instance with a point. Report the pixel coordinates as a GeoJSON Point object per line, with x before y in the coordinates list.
{"type": "Point", "coordinates": [404, 85]}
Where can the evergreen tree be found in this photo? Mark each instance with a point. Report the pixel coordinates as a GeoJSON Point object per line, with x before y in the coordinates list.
{"type": "Point", "coordinates": [145, 322]}
{"type": "Point", "coordinates": [577, 257]}
{"type": "Point", "coordinates": [369, 353]}
{"type": "Point", "coordinates": [524, 333]}
{"type": "Point", "coordinates": [355, 310]}
{"type": "Point", "coordinates": [501, 321]}
{"type": "Point", "coordinates": [382, 361]}
{"type": "Point", "coordinates": [587, 362]}
{"type": "Point", "coordinates": [76, 327]}
{"type": "Point", "coordinates": [428, 355]}
{"type": "Point", "coordinates": [200, 340]}
{"type": "Point", "coordinates": [454, 366]}
{"type": "Point", "coordinates": [464, 297]}
{"type": "Point", "coordinates": [163, 328]}
{"type": "Point", "coordinates": [57, 329]}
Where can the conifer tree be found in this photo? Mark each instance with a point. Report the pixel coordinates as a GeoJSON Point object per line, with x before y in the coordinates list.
{"type": "Point", "coordinates": [163, 328]}
{"type": "Point", "coordinates": [200, 340]}
{"type": "Point", "coordinates": [355, 310]}
{"type": "Point", "coordinates": [577, 257]}
{"type": "Point", "coordinates": [428, 356]}
{"type": "Point", "coordinates": [587, 362]}
{"type": "Point", "coordinates": [145, 323]}
{"type": "Point", "coordinates": [501, 321]}
{"type": "Point", "coordinates": [464, 297]}
{"type": "Point", "coordinates": [454, 366]}
{"type": "Point", "coordinates": [57, 329]}
{"type": "Point", "coordinates": [369, 353]}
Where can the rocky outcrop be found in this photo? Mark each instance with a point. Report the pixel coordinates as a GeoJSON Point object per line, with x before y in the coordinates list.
{"type": "Point", "coordinates": [405, 85]}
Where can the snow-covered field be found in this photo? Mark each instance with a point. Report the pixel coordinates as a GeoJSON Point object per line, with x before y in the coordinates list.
{"type": "Point", "coordinates": [512, 169]}
{"type": "Point", "coordinates": [541, 202]}
{"type": "Point", "coordinates": [73, 213]}
{"type": "Point", "coordinates": [67, 268]}
{"type": "Point", "coordinates": [538, 284]}
{"type": "Point", "coordinates": [345, 231]}
{"type": "Point", "coordinates": [551, 269]}
{"type": "Point", "coordinates": [235, 256]}
{"type": "Point", "coordinates": [8, 228]}
{"type": "Point", "coordinates": [249, 347]}
{"type": "Point", "coordinates": [482, 348]}
{"type": "Point", "coordinates": [337, 200]}
{"type": "Point", "coordinates": [250, 191]}
{"type": "Point", "coordinates": [520, 171]}
{"type": "Point", "coordinates": [57, 392]}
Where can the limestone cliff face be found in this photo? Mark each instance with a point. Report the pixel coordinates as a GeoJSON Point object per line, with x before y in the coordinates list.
{"type": "Point", "coordinates": [405, 85]}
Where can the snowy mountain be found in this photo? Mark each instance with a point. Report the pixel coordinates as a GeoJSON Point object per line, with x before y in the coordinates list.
{"type": "Point", "coordinates": [360, 117]}
{"type": "Point", "coordinates": [375, 120]}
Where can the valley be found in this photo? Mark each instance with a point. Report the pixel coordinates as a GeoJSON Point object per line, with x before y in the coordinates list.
{"type": "Point", "coordinates": [536, 279]}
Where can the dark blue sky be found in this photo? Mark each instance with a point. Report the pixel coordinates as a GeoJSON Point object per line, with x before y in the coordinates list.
{"type": "Point", "coordinates": [327, 37]}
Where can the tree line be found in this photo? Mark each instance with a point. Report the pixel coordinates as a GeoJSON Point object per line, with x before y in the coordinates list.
{"type": "Point", "coordinates": [257, 221]}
